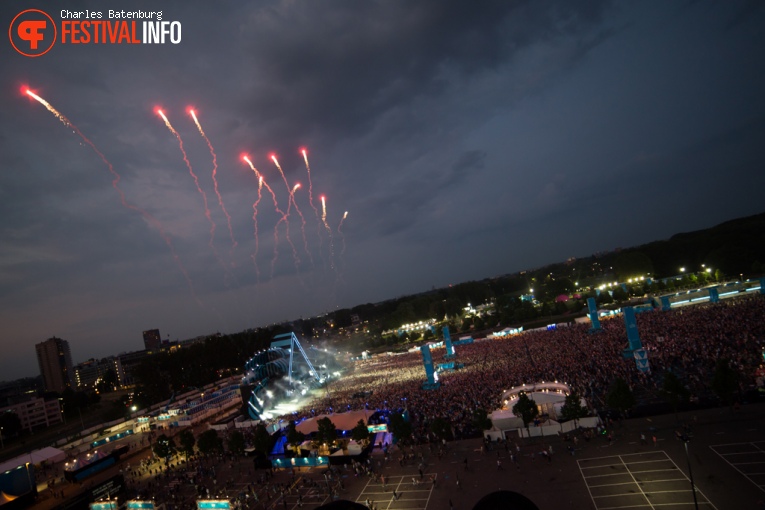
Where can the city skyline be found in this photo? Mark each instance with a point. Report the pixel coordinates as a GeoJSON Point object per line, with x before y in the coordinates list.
{"type": "Point", "coordinates": [464, 141]}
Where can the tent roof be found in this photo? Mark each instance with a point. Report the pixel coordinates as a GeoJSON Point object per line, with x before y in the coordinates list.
{"type": "Point", "coordinates": [46, 454]}
{"type": "Point", "coordinates": [342, 421]}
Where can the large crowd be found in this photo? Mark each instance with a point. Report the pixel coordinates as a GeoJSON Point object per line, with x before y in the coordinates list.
{"type": "Point", "coordinates": [687, 341]}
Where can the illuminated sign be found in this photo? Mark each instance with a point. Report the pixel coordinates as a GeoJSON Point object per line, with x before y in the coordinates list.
{"type": "Point", "coordinates": [213, 504]}
{"type": "Point", "coordinates": [140, 505]}
{"type": "Point", "coordinates": [104, 505]}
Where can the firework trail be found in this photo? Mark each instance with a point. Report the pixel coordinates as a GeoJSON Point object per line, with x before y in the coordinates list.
{"type": "Point", "coordinates": [115, 184]}
{"type": "Point", "coordinates": [199, 188]}
{"type": "Point", "coordinates": [310, 183]}
{"type": "Point", "coordinates": [255, 223]}
{"type": "Point", "coordinates": [284, 218]}
{"type": "Point", "coordinates": [310, 201]}
{"type": "Point", "coordinates": [340, 233]}
{"type": "Point", "coordinates": [297, 209]}
{"type": "Point", "coordinates": [329, 232]}
{"type": "Point", "coordinates": [302, 226]}
{"type": "Point", "coordinates": [215, 180]}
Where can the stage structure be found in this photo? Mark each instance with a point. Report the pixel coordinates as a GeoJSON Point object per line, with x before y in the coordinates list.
{"type": "Point", "coordinates": [285, 358]}
{"type": "Point", "coordinates": [430, 373]}
{"type": "Point", "coordinates": [635, 347]}
{"type": "Point", "coordinates": [448, 342]}
{"type": "Point", "coordinates": [593, 315]}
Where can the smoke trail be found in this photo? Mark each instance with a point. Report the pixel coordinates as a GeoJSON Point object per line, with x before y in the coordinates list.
{"type": "Point", "coordinates": [115, 184]}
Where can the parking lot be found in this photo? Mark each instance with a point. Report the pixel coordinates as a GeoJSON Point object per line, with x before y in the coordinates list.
{"type": "Point", "coordinates": [746, 458]}
{"type": "Point", "coordinates": [639, 480]}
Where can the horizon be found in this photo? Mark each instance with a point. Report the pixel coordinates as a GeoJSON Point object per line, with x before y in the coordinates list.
{"type": "Point", "coordinates": [510, 274]}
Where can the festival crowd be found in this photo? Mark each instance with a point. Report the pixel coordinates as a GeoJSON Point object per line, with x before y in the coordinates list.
{"type": "Point", "coordinates": [687, 341]}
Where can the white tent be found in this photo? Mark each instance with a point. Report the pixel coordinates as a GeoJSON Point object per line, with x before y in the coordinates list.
{"type": "Point", "coordinates": [49, 455]}
{"type": "Point", "coordinates": [342, 421]}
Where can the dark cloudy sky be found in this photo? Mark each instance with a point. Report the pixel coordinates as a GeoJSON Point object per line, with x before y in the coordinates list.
{"type": "Point", "coordinates": [466, 140]}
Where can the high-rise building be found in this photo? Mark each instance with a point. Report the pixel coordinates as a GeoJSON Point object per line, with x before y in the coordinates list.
{"type": "Point", "coordinates": [89, 374]}
{"type": "Point", "coordinates": [55, 362]}
{"type": "Point", "coordinates": [151, 340]}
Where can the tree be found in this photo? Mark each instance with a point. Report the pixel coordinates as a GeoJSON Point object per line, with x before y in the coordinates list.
{"type": "Point", "coordinates": [108, 382]}
{"type": "Point", "coordinates": [400, 427]}
{"type": "Point", "coordinates": [294, 437]}
{"type": "Point", "coordinates": [554, 287]}
{"type": "Point", "coordinates": [620, 396]}
{"type": "Point", "coordinates": [209, 442]}
{"type": "Point", "coordinates": [633, 263]}
{"type": "Point", "coordinates": [236, 443]}
{"type": "Point", "coordinates": [725, 381]}
{"type": "Point", "coordinates": [261, 440]}
{"type": "Point", "coordinates": [527, 409]}
{"type": "Point", "coordinates": [674, 391]}
{"type": "Point", "coordinates": [620, 296]}
{"type": "Point", "coordinates": [327, 432]}
{"type": "Point", "coordinates": [187, 441]}
{"type": "Point", "coordinates": [360, 433]}
{"type": "Point", "coordinates": [481, 420]}
{"type": "Point", "coordinates": [164, 446]}
{"type": "Point", "coordinates": [441, 428]}
{"type": "Point", "coordinates": [604, 298]}
{"type": "Point", "coordinates": [10, 423]}
{"type": "Point", "coordinates": [573, 409]}
{"type": "Point", "coordinates": [452, 307]}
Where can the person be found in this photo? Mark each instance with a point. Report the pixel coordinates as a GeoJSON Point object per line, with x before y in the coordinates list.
{"type": "Point", "coordinates": [499, 464]}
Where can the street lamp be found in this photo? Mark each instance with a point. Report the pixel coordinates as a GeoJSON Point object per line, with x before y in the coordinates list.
{"type": "Point", "coordinates": [685, 439]}
{"type": "Point", "coordinates": [2, 444]}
